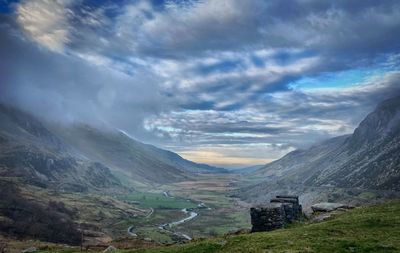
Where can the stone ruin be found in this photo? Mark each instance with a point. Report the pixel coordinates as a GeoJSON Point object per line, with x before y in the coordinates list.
{"type": "Point", "coordinates": [281, 210]}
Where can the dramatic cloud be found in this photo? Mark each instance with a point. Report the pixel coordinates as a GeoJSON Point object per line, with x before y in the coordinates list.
{"type": "Point", "coordinates": [46, 22]}
{"type": "Point", "coordinates": [228, 82]}
{"type": "Point", "coordinates": [67, 89]}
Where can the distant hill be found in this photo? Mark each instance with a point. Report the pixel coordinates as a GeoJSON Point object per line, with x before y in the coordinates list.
{"type": "Point", "coordinates": [247, 170]}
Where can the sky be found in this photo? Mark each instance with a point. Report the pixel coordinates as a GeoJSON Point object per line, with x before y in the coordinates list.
{"type": "Point", "coordinates": [231, 83]}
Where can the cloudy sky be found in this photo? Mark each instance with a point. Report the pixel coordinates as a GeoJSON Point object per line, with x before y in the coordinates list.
{"type": "Point", "coordinates": [226, 82]}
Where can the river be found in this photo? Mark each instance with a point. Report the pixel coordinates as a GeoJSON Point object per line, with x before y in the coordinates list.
{"type": "Point", "coordinates": [167, 226]}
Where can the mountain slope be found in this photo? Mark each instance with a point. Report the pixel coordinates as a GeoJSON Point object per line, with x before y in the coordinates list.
{"type": "Point", "coordinates": [369, 158]}
{"type": "Point", "coordinates": [177, 161]}
{"type": "Point", "coordinates": [30, 147]}
{"type": "Point", "coordinates": [121, 153]}
{"type": "Point", "coordinates": [31, 153]}
{"type": "Point", "coordinates": [247, 170]}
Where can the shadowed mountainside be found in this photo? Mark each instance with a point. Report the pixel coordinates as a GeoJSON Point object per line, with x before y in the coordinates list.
{"type": "Point", "coordinates": [32, 154]}
{"type": "Point", "coordinates": [129, 157]}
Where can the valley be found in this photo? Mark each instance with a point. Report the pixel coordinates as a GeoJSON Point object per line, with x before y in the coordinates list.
{"type": "Point", "coordinates": [209, 210]}
{"type": "Point", "coordinates": [152, 216]}
{"type": "Point", "coordinates": [196, 126]}
{"type": "Point", "coordinates": [87, 187]}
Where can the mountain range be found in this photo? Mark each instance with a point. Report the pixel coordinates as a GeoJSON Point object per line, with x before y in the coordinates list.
{"type": "Point", "coordinates": [80, 157]}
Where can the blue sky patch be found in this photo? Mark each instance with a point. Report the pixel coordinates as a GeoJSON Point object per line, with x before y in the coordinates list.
{"type": "Point", "coordinates": [342, 79]}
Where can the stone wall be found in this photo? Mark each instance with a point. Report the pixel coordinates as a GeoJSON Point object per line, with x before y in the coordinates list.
{"type": "Point", "coordinates": [281, 210]}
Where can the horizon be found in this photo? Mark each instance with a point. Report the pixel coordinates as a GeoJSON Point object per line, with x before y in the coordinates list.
{"type": "Point", "coordinates": [227, 83]}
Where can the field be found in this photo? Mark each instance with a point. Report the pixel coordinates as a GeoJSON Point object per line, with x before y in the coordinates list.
{"type": "Point", "coordinates": [219, 214]}
{"type": "Point", "coordinates": [158, 200]}
{"type": "Point", "coordinates": [224, 213]}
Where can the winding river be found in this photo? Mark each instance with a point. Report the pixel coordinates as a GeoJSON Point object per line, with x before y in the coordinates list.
{"type": "Point", "coordinates": [167, 226]}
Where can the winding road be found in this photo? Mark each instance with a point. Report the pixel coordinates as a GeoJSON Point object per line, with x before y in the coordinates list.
{"type": "Point", "coordinates": [130, 231]}
{"type": "Point", "coordinates": [131, 228]}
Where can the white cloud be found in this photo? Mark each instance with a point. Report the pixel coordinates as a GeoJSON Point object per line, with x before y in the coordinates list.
{"type": "Point", "coordinates": [46, 21]}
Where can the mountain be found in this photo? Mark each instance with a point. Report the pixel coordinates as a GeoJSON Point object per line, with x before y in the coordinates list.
{"type": "Point", "coordinates": [177, 161]}
{"type": "Point", "coordinates": [247, 170]}
{"type": "Point", "coordinates": [369, 158]}
{"type": "Point", "coordinates": [122, 154]}
{"type": "Point", "coordinates": [47, 152]}
{"type": "Point", "coordinates": [31, 153]}
{"type": "Point", "coordinates": [128, 157]}
{"type": "Point", "coordinates": [301, 164]}
{"type": "Point", "coordinates": [47, 189]}
{"type": "Point", "coordinates": [363, 166]}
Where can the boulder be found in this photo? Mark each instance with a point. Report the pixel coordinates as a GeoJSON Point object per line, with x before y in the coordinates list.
{"type": "Point", "coordinates": [110, 249]}
{"type": "Point", "coordinates": [327, 207]}
{"type": "Point", "coordinates": [30, 249]}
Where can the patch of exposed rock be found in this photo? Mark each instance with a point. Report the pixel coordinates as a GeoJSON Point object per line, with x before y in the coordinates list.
{"type": "Point", "coordinates": [328, 207]}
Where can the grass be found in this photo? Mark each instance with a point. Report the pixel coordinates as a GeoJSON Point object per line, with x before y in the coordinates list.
{"type": "Point", "coordinates": [368, 229]}
{"type": "Point", "coordinates": [215, 222]}
{"type": "Point", "coordinates": [158, 200]}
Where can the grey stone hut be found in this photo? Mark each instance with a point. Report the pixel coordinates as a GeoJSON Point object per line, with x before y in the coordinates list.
{"type": "Point", "coordinates": [281, 210]}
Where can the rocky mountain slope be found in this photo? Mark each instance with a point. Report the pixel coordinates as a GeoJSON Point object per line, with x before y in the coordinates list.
{"type": "Point", "coordinates": [363, 167]}
{"type": "Point", "coordinates": [369, 158]}
{"type": "Point", "coordinates": [30, 153]}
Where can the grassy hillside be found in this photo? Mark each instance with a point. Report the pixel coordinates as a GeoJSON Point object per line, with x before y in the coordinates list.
{"type": "Point", "coordinates": [369, 229]}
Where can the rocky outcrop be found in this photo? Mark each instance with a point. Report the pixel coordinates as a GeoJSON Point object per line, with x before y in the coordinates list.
{"type": "Point", "coordinates": [110, 249]}
{"type": "Point", "coordinates": [275, 215]}
{"type": "Point", "coordinates": [29, 250]}
{"type": "Point", "coordinates": [324, 210]}
{"type": "Point", "coordinates": [328, 207]}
